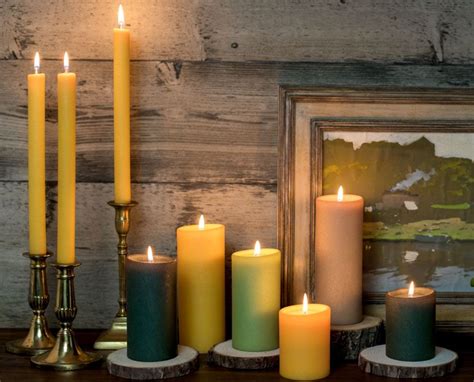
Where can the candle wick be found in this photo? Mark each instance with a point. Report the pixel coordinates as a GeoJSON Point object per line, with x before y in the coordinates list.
{"type": "Point", "coordinates": [36, 70]}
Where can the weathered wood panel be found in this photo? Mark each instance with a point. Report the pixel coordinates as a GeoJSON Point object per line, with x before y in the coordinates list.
{"type": "Point", "coordinates": [249, 213]}
{"type": "Point", "coordinates": [245, 30]}
{"type": "Point", "coordinates": [211, 122]}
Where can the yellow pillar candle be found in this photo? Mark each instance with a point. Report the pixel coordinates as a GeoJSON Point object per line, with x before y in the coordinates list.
{"type": "Point", "coordinates": [338, 262]}
{"type": "Point", "coordinates": [36, 161]}
{"type": "Point", "coordinates": [66, 164]}
{"type": "Point", "coordinates": [201, 288]}
{"type": "Point", "coordinates": [255, 298]}
{"type": "Point", "coordinates": [305, 332]}
{"type": "Point", "coordinates": [122, 111]}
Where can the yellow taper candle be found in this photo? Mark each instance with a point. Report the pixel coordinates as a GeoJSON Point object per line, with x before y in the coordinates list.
{"type": "Point", "coordinates": [305, 332]}
{"type": "Point", "coordinates": [201, 288]}
{"type": "Point", "coordinates": [66, 164]}
{"type": "Point", "coordinates": [122, 111]}
{"type": "Point", "coordinates": [36, 161]}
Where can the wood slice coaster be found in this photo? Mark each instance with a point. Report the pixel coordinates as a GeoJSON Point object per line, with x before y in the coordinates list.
{"type": "Point", "coordinates": [347, 341]}
{"type": "Point", "coordinates": [225, 355]}
{"type": "Point", "coordinates": [186, 362]}
{"type": "Point", "coordinates": [374, 361]}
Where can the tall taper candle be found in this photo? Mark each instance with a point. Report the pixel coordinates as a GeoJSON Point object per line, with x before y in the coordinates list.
{"type": "Point", "coordinates": [338, 262]}
{"type": "Point", "coordinates": [36, 161]}
{"type": "Point", "coordinates": [122, 111]}
{"type": "Point", "coordinates": [66, 165]}
{"type": "Point", "coordinates": [151, 322]}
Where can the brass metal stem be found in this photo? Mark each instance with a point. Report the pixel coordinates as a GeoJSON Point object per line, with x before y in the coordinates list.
{"type": "Point", "coordinates": [66, 353]}
{"type": "Point", "coordinates": [39, 338]}
{"type": "Point", "coordinates": [116, 336]}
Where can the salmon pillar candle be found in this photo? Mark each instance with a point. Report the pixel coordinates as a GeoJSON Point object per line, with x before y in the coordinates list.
{"type": "Point", "coordinates": [201, 287]}
{"type": "Point", "coordinates": [410, 323]}
{"type": "Point", "coordinates": [122, 111]}
{"type": "Point", "coordinates": [66, 165]}
{"type": "Point", "coordinates": [36, 161]}
{"type": "Point", "coordinates": [151, 302]}
{"type": "Point", "coordinates": [305, 332]}
{"type": "Point", "coordinates": [338, 262]}
{"type": "Point", "coordinates": [255, 299]}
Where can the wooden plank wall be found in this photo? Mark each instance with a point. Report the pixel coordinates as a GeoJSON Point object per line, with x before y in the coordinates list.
{"type": "Point", "coordinates": [205, 80]}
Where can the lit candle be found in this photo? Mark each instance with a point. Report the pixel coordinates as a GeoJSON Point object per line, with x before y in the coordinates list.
{"type": "Point", "coordinates": [410, 323]}
{"type": "Point", "coordinates": [201, 287]}
{"type": "Point", "coordinates": [66, 164]}
{"type": "Point", "coordinates": [151, 303]}
{"type": "Point", "coordinates": [305, 341]}
{"type": "Point", "coordinates": [338, 256]}
{"type": "Point", "coordinates": [122, 111]}
{"type": "Point", "coordinates": [36, 160]}
{"type": "Point", "coordinates": [255, 298]}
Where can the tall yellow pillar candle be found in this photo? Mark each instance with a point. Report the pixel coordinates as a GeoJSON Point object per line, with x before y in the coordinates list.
{"type": "Point", "coordinates": [305, 332]}
{"type": "Point", "coordinates": [36, 161]}
{"type": "Point", "coordinates": [66, 165]}
{"type": "Point", "coordinates": [201, 288]}
{"type": "Point", "coordinates": [122, 111]}
{"type": "Point", "coordinates": [338, 262]}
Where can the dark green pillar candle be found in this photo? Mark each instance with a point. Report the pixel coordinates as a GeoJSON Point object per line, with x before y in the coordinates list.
{"type": "Point", "coordinates": [151, 303]}
{"type": "Point", "coordinates": [410, 324]}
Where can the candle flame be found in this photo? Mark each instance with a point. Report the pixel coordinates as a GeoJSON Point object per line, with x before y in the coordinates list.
{"type": "Point", "coordinates": [149, 254]}
{"type": "Point", "coordinates": [257, 249]}
{"type": "Point", "coordinates": [340, 194]}
{"type": "Point", "coordinates": [66, 62]}
{"type": "Point", "coordinates": [411, 289]}
{"type": "Point", "coordinates": [305, 303]}
{"type": "Point", "coordinates": [121, 17]}
{"type": "Point", "coordinates": [36, 63]}
{"type": "Point", "coordinates": [202, 224]}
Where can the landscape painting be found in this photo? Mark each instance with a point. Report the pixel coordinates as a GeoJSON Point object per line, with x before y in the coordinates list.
{"type": "Point", "coordinates": [418, 188]}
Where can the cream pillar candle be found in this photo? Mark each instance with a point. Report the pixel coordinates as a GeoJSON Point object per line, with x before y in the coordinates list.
{"type": "Point", "coordinates": [338, 262]}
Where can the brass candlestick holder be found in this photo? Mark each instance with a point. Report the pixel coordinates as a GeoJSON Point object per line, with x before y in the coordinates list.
{"type": "Point", "coordinates": [39, 339]}
{"type": "Point", "coordinates": [116, 336]}
{"type": "Point", "coordinates": [66, 353]}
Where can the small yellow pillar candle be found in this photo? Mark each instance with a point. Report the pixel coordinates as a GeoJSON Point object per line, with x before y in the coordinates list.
{"type": "Point", "coordinates": [66, 164]}
{"type": "Point", "coordinates": [122, 111]}
{"type": "Point", "coordinates": [305, 332]}
{"type": "Point", "coordinates": [201, 288]}
{"type": "Point", "coordinates": [36, 161]}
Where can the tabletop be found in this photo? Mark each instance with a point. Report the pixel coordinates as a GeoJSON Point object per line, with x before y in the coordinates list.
{"type": "Point", "coordinates": [18, 368]}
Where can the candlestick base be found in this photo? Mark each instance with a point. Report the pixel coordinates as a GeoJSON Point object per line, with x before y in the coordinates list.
{"type": "Point", "coordinates": [347, 341]}
{"type": "Point", "coordinates": [225, 355]}
{"type": "Point", "coordinates": [66, 353]}
{"type": "Point", "coordinates": [39, 338]}
{"type": "Point", "coordinates": [116, 337]}
{"type": "Point", "coordinates": [186, 362]}
{"type": "Point", "coordinates": [374, 361]}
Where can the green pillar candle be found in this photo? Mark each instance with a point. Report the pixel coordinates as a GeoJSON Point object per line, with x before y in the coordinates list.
{"type": "Point", "coordinates": [410, 324]}
{"type": "Point", "coordinates": [255, 299]}
{"type": "Point", "coordinates": [151, 303]}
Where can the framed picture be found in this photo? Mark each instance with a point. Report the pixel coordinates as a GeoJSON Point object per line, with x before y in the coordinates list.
{"type": "Point", "coordinates": [417, 181]}
{"type": "Point", "coordinates": [409, 153]}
